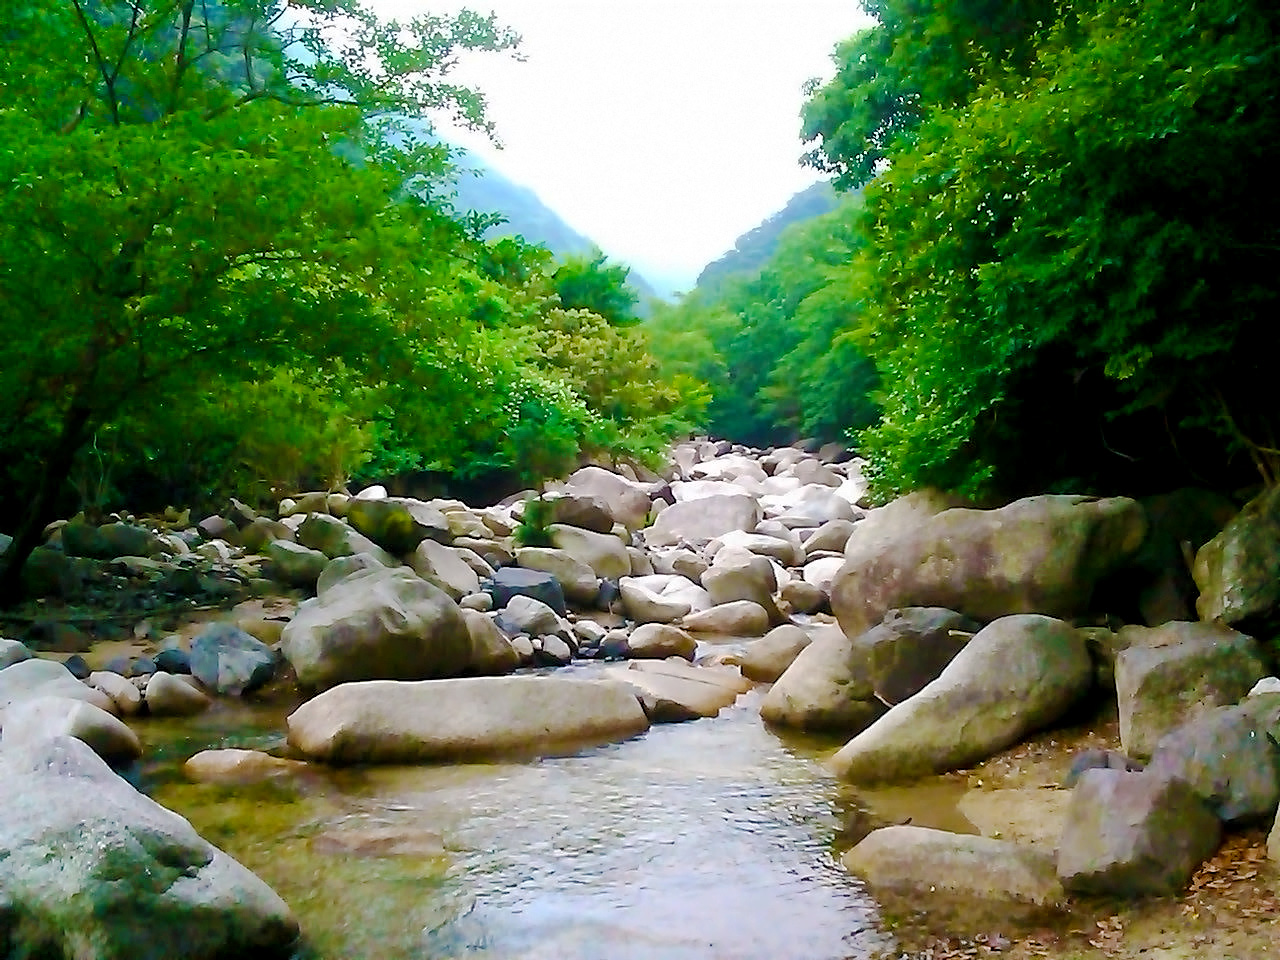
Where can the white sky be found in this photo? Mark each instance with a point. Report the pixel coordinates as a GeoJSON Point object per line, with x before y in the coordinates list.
{"type": "Point", "coordinates": [661, 129]}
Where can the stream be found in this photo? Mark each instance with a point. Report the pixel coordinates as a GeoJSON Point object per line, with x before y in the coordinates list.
{"type": "Point", "coordinates": [710, 840]}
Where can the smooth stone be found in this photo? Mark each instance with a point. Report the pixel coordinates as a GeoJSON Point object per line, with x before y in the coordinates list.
{"type": "Point", "coordinates": [239, 766]}
{"type": "Point", "coordinates": [167, 695]}
{"type": "Point", "coordinates": [659, 641]}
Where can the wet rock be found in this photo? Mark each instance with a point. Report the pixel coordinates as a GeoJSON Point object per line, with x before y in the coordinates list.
{"type": "Point", "coordinates": [169, 696]}
{"type": "Point", "coordinates": [766, 659]}
{"type": "Point", "coordinates": [827, 688]}
{"type": "Point", "coordinates": [1166, 675]}
{"type": "Point", "coordinates": [228, 660]}
{"type": "Point", "coordinates": [239, 766]}
{"type": "Point", "coordinates": [675, 691]}
{"type": "Point", "coordinates": [658, 641]}
{"type": "Point", "coordinates": [90, 867]}
{"type": "Point", "coordinates": [1015, 676]}
{"type": "Point", "coordinates": [920, 862]}
{"type": "Point", "coordinates": [1038, 555]}
{"type": "Point", "coordinates": [1134, 834]}
{"type": "Point", "coordinates": [379, 623]}
{"type": "Point", "coordinates": [511, 582]}
{"type": "Point", "coordinates": [384, 721]}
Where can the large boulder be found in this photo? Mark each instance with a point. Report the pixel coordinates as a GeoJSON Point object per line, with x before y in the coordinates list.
{"type": "Point", "coordinates": [588, 513]}
{"type": "Point", "coordinates": [1134, 834]}
{"type": "Point", "coordinates": [1017, 675]}
{"type": "Point", "coordinates": [627, 500]}
{"type": "Point", "coordinates": [110, 540]}
{"type": "Point", "coordinates": [89, 867]}
{"type": "Point", "coordinates": [703, 520]}
{"type": "Point", "coordinates": [1168, 674]}
{"type": "Point", "coordinates": [1229, 758]}
{"type": "Point", "coordinates": [377, 624]}
{"type": "Point", "coordinates": [1039, 555]}
{"type": "Point", "coordinates": [294, 564]}
{"type": "Point", "coordinates": [491, 651]}
{"type": "Point", "coordinates": [1238, 571]}
{"type": "Point", "coordinates": [826, 688]}
{"type": "Point", "coordinates": [383, 721]}
{"type": "Point", "coordinates": [226, 659]}
{"type": "Point", "coordinates": [602, 552]}
{"type": "Point", "coordinates": [919, 861]}
{"type": "Point", "coordinates": [910, 648]}
{"type": "Point", "coordinates": [398, 524]}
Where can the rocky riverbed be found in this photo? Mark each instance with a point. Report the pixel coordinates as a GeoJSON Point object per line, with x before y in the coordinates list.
{"type": "Point", "coordinates": [728, 711]}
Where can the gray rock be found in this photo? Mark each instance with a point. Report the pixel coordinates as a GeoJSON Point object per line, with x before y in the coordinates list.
{"type": "Point", "coordinates": [1238, 571]}
{"type": "Point", "coordinates": [922, 862]}
{"type": "Point", "coordinates": [261, 531]}
{"type": "Point", "coordinates": [800, 596]}
{"type": "Point", "coordinates": [294, 564]}
{"type": "Point", "coordinates": [1166, 675]}
{"type": "Point", "coordinates": [911, 647]}
{"type": "Point", "coordinates": [227, 660]}
{"type": "Point", "coordinates": [832, 535]}
{"type": "Point", "coordinates": [1098, 759]}
{"type": "Point", "coordinates": [1134, 834]}
{"type": "Point", "coordinates": [13, 651]}
{"type": "Point", "coordinates": [169, 696]}
{"type": "Point", "coordinates": [491, 652]}
{"type": "Point", "coordinates": [1228, 757]}
{"type": "Point", "coordinates": [444, 567]}
{"type": "Point", "coordinates": [1017, 675]}
{"type": "Point", "coordinates": [398, 722]}
{"type": "Point", "coordinates": [40, 718]}
{"type": "Point", "coordinates": [398, 524]}
{"type": "Point", "coordinates": [551, 651]}
{"type": "Point", "coordinates": [604, 553]}
{"type": "Point", "coordinates": [511, 582]}
{"type": "Point", "coordinates": [341, 568]}
{"type": "Point", "coordinates": [628, 501]}
{"type": "Point", "coordinates": [40, 678]}
{"type": "Point", "coordinates": [588, 513]}
{"type": "Point", "coordinates": [334, 538]}
{"type": "Point", "coordinates": [739, 618]}
{"type": "Point", "coordinates": [380, 623]}
{"type": "Point", "coordinates": [110, 540]}
{"type": "Point", "coordinates": [703, 520]}
{"type": "Point", "coordinates": [579, 582]}
{"type": "Point", "coordinates": [533, 617]}
{"type": "Point", "coordinates": [92, 868]}
{"type": "Point", "coordinates": [738, 574]}
{"type": "Point", "coordinates": [674, 691]}
{"type": "Point", "coordinates": [827, 688]}
{"type": "Point", "coordinates": [1039, 555]}
{"type": "Point", "coordinates": [659, 640]}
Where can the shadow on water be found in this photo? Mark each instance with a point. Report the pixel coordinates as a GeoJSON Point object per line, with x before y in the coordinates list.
{"type": "Point", "coordinates": [704, 840]}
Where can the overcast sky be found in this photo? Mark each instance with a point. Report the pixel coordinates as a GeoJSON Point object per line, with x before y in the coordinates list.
{"type": "Point", "coordinates": [662, 129]}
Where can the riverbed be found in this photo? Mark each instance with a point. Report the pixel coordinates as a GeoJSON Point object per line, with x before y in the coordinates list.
{"type": "Point", "coordinates": [707, 840]}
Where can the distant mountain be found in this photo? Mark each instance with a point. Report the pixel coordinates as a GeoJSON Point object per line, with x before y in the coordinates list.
{"type": "Point", "coordinates": [752, 250]}
{"type": "Point", "coordinates": [482, 189]}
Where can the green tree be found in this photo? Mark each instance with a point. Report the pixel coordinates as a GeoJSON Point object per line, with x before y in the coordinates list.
{"type": "Point", "coordinates": [190, 191]}
{"type": "Point", "coordinates": [592, 283]}
{"type": "Point", "coordinates": [1071, 281]}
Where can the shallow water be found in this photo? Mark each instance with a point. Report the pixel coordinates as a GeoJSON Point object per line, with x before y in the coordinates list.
{"type": "Point", "coordinates": [710, 840]}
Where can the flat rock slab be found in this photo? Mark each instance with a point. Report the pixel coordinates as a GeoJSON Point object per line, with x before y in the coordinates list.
{"type": "Point", "coordinates": [389, 721]}
{"type": "Point", "coordinates": [920, 860]}
{"type": "Point", "coordinates": [1033, 816]}
{"type": "Point", "coordinates": [680, 691]}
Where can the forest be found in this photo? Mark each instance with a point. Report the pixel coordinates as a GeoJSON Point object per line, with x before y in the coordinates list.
{"type": "Point", "coordinates": [1053, 266]}
{"type": "Point", "coordinates": [231, 264]}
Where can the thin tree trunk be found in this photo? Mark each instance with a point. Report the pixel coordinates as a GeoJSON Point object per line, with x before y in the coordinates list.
{"type": "Point", "coordinates": [42, 508]}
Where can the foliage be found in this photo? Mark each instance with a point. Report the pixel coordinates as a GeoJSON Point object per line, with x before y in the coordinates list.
{"type": "Point", "coordinates": [1071, 274]}
{"type": "Point", "coordinates": [591, 283]}
{"type": "Point", "coordinates": [766, 343]}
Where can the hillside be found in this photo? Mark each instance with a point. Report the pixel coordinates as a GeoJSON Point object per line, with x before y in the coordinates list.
{"type": "Point", "coordinates": [752, 250]}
